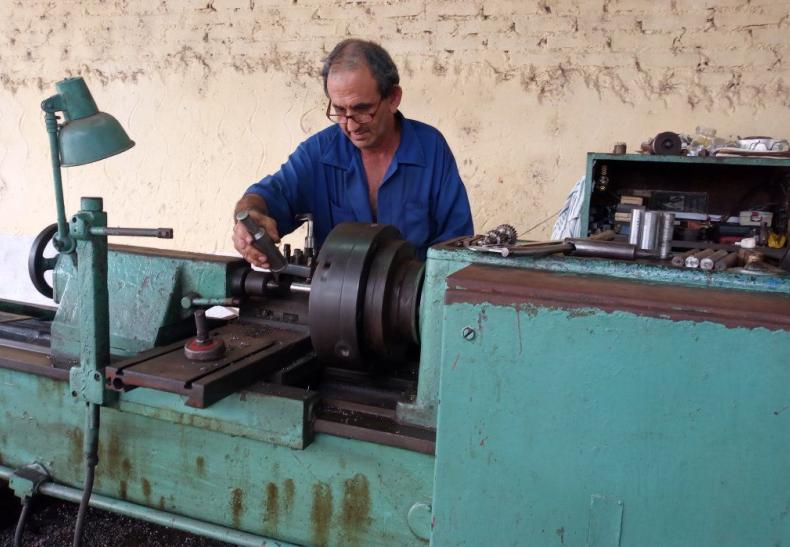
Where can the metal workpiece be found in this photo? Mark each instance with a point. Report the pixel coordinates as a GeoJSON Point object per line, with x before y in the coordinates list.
{"type": "Point", "coordinates": [679, 260]}
{"type": "Point", "coordinates": [728, 261]}
{"type": "Point", "coordinates": [648, 239]}
{"type": "Point", "coordinates": [665, 232]}
{"type": "Point", "coordinates": [603, 249]}
{"type": "Point", "coordinates": [693, 261]}
{"type": "Point", "coordinates": [263, 242]}
{"type": "Point", "coordinates": [709, 262]}
{"type": "Point", "coordinates": [637, 219]}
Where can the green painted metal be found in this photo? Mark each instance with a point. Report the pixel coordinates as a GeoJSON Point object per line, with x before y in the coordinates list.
{"type": "Point", "coordinates": [87, 380]}
{"type": "Point", "coordinates": [62, 241]}
{"type": "Point", "coordinates": [76, 98]}
{"type": "Point", "coordinates": [442, 262]}
{"type": "Point", "coordinates": [145, 292]}
{"type": "Point", "coordinates": [581, 427]}
{"type": "Point", "coordinates": [252, 414]}
{"type": "Point", "coordinates": [335, 492]}
{"type": "Point", "coordinates": [147, 514]}
{"type": "Point", "coordinates": [86, 135]}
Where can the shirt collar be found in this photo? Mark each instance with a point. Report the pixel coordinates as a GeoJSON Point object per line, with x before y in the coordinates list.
{"type": "Point", "coordinates": [340, 151]}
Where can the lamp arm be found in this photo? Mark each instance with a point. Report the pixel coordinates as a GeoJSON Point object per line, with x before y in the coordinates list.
{"type": "Point", "coordinates": [63, 241]}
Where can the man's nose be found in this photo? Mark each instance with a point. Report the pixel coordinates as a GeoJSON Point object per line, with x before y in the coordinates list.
{"type": "Point", "coordinates": [352, 124]}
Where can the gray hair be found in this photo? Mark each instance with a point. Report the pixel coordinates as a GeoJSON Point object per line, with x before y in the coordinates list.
{"type": "Point", "coordinates": [353, 53]}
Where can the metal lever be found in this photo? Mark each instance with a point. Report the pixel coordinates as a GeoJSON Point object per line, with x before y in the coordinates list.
{"type": "Point", "coordinates": [262, 242]}
{"type": "Point", "coordinates": [161, 233]}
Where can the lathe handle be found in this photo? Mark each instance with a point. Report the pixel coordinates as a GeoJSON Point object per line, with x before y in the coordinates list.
{"type": "Point", "coordinates": [262, 242]}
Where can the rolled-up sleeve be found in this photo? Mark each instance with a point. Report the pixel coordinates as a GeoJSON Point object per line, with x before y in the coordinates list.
{"type": "Point", "coordinates": [288, 191]}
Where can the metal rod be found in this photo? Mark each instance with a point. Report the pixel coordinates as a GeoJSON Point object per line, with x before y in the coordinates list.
{"type": "Point", "coordinates": [666, 229]}
{"type": "Point", "coordinates": [300, 287]}
{"type": "Point", "coordinates": [190, 301]}
{"type": "Point", "coordinates": [709, 262]}
{"type": "Point", "coordinates": [64, 242]}
{"type": "Point", "coordinates": [161, 233]}
{"type": "Point", "coordinates": [726, 262]}
{"type": "Point", "coordinates": [155, 516]}
{"type": "Point", "coordinates": [637, 219]}
{"type": "Point", "coordinates": [201, 326]}
{"type": "Point", "coordinates": [648, 241]}
{"type": "Point", "coordinates": [692, 261]}
{"type": "Point", "coordinates": [679, 260]}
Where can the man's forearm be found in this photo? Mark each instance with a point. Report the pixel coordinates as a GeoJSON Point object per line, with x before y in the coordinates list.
{"type": "Point", "coordinates": [252, 202]}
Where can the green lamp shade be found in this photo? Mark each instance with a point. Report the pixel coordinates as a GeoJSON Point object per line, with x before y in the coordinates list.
{"type": "Point", "coordinates": [91, 138]}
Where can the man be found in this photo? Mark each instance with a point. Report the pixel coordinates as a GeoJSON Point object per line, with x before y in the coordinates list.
{"type": "Point", "coordinates": [372, 165]}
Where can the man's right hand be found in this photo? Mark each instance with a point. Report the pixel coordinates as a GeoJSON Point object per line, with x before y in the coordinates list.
{"type": "Point", "coordinates": [242, 239]}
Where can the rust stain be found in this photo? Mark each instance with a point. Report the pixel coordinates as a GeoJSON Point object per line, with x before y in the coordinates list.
{"type": "Point", "coordinates": [126, 468]}
{"type": "Point", "coordinates": [272, 507]}
{"type": "Point", "coordinates": [161, 502]}
{"type": "Point", "coordinates": [237, 506]}
{"type": "Point", "coordinates": [112, 455]}
{"type": "Point", "coordinates": [122, 487]}
{"type": "Point", "coordinates": [321, 513]}
{"type": "Point", "coordinates": [355, 515]}
{"type": "Point", "coordinates": [147, 491]}
{"type": "Point", "coordinates": [75, 436]}
{"type": "Point", "coordinates": [200, 464]}
{"type": "Point", "coordinates": [290, 490]}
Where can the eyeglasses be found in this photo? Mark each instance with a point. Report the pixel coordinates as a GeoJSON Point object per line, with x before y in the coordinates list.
{"type": "Point", "coordinates": [360, 118]}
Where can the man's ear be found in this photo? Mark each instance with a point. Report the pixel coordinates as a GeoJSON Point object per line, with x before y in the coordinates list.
{"type": "Point", "coordinates": [394, 98]}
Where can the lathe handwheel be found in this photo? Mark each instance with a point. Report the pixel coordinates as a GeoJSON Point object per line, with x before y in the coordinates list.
{"type": "Point", "coordinates": [38, 264]}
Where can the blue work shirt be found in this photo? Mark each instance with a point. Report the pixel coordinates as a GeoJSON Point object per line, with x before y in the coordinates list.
{"type": "Point", "coordinates": [421, 192]}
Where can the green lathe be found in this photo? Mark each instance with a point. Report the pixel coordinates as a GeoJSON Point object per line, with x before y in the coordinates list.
{"type": "Point", "coordinates": [568, 396]}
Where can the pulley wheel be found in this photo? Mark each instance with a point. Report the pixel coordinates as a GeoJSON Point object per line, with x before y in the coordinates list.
{"type": "Point", "coordinates": [667, 144]}
{"type": "Point", "coordinates": [38, 264]}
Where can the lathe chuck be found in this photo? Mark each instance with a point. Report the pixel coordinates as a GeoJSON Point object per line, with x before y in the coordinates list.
{"type": "Point", "coordinates": [365, 296]}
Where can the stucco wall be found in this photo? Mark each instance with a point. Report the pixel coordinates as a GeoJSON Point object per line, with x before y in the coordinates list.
{"type": "Point", "coordinates": [217, 93]}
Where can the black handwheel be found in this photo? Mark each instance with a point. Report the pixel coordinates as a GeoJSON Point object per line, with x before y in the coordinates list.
{"type": "Point", "coordinates": [38, 264]}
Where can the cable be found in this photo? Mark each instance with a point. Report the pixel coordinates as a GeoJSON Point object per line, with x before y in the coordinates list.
{"type": "Point", "coordinates": [541, 223]}
{"type": "Point", "coordinates": [20, 525]}
{"type": "Point", "coordinates": [91, 448]}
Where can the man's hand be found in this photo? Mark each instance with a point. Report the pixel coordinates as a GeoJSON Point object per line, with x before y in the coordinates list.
{"type": "Point", "coordinates": [242, 239]}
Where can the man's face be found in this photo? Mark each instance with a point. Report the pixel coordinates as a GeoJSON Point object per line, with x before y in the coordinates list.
{"type": "Point", "coordinates": [354, 91]}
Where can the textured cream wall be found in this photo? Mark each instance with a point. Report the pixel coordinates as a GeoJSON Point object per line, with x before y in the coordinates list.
{"type": "Point", "coordinates": [217, 93]}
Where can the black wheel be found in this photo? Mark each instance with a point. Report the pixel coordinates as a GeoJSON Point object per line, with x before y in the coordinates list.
{"type": "Point", "coordinates": [38, 264]}
{"type": "Point", "coordinates": [364, 296]}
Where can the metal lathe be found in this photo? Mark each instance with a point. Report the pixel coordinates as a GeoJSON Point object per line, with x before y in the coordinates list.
{"type": "Point", "coordinates": [526, 396]}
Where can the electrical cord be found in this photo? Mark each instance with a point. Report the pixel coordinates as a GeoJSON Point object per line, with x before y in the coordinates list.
{"type": "Point", "coordinates": [91, 448]}
{"type": "Point", "coordinates": [20, 525]}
